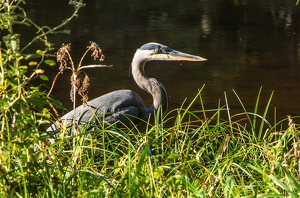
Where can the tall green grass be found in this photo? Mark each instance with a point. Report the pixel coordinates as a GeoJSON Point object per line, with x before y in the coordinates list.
{"type": "Point", "coordinates": [201, 157]}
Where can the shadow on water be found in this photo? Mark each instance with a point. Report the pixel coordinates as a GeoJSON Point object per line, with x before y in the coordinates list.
{"type": "Point", "coordinates": [248, 44]}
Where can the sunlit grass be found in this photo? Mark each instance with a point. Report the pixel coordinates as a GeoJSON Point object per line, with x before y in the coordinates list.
{"type": "Point", "coordinates": [201, 157]}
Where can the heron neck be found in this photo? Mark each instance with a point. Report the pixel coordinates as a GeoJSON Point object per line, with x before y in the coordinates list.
{"type": "Point", "coordinates": [151, 85]}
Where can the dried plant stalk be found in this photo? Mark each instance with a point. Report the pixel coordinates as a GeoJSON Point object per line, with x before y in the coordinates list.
{"type": "Point", "coordinates": [83, 90]}
{"type": "Point", "coordinates": [75, 85]}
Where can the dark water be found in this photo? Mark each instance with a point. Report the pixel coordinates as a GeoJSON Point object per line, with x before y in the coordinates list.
{"type": "Point", "coordinates": [248, 44]}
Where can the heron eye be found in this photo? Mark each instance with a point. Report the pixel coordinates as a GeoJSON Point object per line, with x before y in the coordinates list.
{"type": "Point", "coordinates": [158, 50]}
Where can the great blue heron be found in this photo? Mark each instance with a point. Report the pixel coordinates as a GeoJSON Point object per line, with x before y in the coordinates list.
{"type": "Point", "coordinates": [126, 106]}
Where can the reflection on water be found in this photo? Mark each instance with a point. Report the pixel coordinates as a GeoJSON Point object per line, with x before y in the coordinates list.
{"type": "Point", "coordinates": [248, 44]}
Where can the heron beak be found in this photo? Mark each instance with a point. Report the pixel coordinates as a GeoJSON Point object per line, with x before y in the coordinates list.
{"type": "Point", "coordinates": [180, 56]}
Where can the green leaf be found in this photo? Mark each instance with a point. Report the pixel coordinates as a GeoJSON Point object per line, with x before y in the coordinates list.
{"type": "Point", "coordinates": [50, 62]}
{"type": "Point", "coordinates": [23, 67]}
{"type": "Point", "coordinates": [173, 157]}
{"type": "Point", "coordinates": [282, 185]}
{"type": "Point", "coordinates": [13, 44]}
{"type": "Point", "coordinates": [40, 52]}
{"type": "Point", "coordinates": [32, 63]}
{"type": "Point", "coordinates": [38, 101]}
{"type": "Point", "coordinates": [43, 77]}
{"type": "Point", "coordinates": [158, 172]}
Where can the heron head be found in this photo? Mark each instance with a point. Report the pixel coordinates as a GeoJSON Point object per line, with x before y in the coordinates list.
{"type": "Point", "coordinates": [156, 51]}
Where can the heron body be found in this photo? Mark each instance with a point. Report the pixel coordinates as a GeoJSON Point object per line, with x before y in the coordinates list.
{"type": "Point", "coordinates": [125, 107]}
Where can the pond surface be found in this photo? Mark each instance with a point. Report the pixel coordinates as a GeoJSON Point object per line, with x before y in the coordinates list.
{"type": "Point", "coordinates": [248, 44]}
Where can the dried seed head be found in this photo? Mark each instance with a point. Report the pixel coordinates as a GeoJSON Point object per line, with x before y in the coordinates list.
{"type": "Point", "coordinates": [102, 57]}
{"type": "Point", "coordinates": [83, 91]}
{"type": "Point", "coordinates": [97, 52]}
{"type": "Point", "coordinates": [63, 56]}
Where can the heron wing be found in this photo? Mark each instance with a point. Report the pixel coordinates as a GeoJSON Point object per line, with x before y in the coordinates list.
{"type": "Point", "coordinates": [124, 106]}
